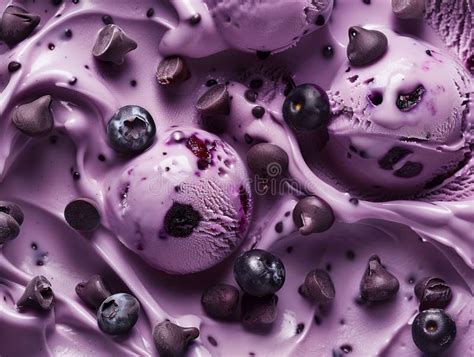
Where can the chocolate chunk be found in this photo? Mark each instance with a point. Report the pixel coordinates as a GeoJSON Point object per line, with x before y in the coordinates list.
{"type": "Point", "coordinates": [408, 9]}
{"type": "Point", "coordinates": [36, 118]}
{"type": "Point", "coordinates": [220, 301]}
{"type": "Point", "coordinates": [318, 287]}
{"type": "Point", "coordinates": [14, 66]}
{"type": "Point", "coordinates": [409, 169]}
{"type": "Point", "coordinates": [392, 157]}
{"type": "Point", "coordinates": [38, 295]}
{"type": "Point", "coordinates": [82, 214]}
{"type": "Point", "coordinates": [215, 101]}
{"type": "Point", "coordinates": [9, 228]}
{"type": "Point", "coordinates": [259, 312]}
{"type": "Point", "coordinates": [13, 210]}
{"type": "Point", "coordinates": [433, 293]}
{"type": "Point", "coordinates": [93, 292]}
{"type": "Point", "coordinates": [313, 215]}
{"type": "Point", "coordinates": [365, 46]}
{"type": "Point", "coordinates": [17, 24]}
{"type": "Point", "coordinates": [378, 284]}
{"type": "Point", "coordinates": [171, 70]}
{"type": "Point", "coordinates": [112, 44]}
{"type": "Point", "coordinates": [267, 160]}
{"type": "Point", "coordinates": [172, 340]}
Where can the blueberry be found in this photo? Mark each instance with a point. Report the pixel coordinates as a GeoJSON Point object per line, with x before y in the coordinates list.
{"type": "Point", "coordinates": [131, 130]}
{"type": "Point", "coordinates": [118, 314]}
{"type": "Point", "coordinates": [433, 331]}
{"type": "Point", "coordinates": [259, 273]}
{"type": "Point", "coordinates": [306, 107]}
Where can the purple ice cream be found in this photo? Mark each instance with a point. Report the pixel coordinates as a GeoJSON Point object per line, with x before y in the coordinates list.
{"type": "Point", "coordinates": [125, 242]}
{"type": "Point", "coordinates": [188, 197]}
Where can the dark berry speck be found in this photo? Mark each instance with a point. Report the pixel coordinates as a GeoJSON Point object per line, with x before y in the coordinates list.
{"type": "Point", "coordinates": [150, 12]}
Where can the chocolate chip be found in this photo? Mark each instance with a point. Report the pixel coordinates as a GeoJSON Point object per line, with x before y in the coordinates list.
{"type": "Point", "coordinates": [365, 46]}
{"type": "Point", "coordinates": [82, 214]}
{"type": "Point", "coordinates": [259, 312]}
{"type": "Point", "coordinates": [378, 284]}
{"type": "Point", "coordinates": [14, 66]}
{"type": "Point", "coordinates": [35, 118]}
{"type": "Point", "coordinates": [9, 228]}
{"type": "Point", "coordinates": [318, 287]}
{"type": "Point", "coordinates": [93, 292]}
{"type": "Point", "coordinates": [172, 340]}
{"type": "Point", "coordinates": [258, 112]}
{"type": "Point", "coordinates": [392, 157]}
{"type": "Point", "coordinates": [267, 160]}
{"type": "Point", "coordinates": [13, 210]}
{"type": "Point", "coordinates": [433, 293]}
{"type": "Point", "coordinates": [17, 24]}
{"type": "Point", "coordinates": [313, 215]}
{"type": "Point", "coordinates": [215, 101]}
{"type": "Point", "coordinates": [172, 70]}
{"type": "Point", "coordinates": [408, 9]}
{"type": "Point", "coordinates": [112, 44]}
{"type": "Point", "coordinates": [38, 294]}
{"type": "Point", "coordinates": [220, 301]}
{"type": "Point", "coordinates": [195, 19]}
{"type": "Point", "coordinates": [409, 169]}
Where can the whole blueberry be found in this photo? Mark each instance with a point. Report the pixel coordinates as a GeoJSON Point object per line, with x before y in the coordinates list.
{"type": "Point", "coordinates": [131, 130]}
{"type": "Point", "coordinates": [306, 107]}
{"type": "Point", "coordinates": [118, 314]}
{"type": "Point", "coordinates": [433, 331]}
{"type": "Point", "coordinates": [259, 273]}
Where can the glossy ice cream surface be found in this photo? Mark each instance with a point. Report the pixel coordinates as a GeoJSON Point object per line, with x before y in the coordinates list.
{"type": "Point", "coordinates": [417, 237]}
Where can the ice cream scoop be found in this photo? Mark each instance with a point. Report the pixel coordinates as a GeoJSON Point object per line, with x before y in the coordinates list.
{"type": "Point", "coordinates": [400, 123]}
{"type": "Point", "coordinates": [184, 205]}
{"type": "Point", "coordinates": [267, 25]}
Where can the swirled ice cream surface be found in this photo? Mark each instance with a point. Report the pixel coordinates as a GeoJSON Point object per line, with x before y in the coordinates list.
{"type": "Point", "coordinates": [424, 233]}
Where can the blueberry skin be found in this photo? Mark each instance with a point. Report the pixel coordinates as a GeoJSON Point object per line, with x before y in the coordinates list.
{"type": "Point", "coordinates": [118, 314]}
{"type": "Point", "coordinates": [306, 108]}
{"type": "Point", "coordinates": [433, 331]}
{"type": "Point", "coordinates": [259, 273]}
{"type": "Point", "coordinates": [131, 130]}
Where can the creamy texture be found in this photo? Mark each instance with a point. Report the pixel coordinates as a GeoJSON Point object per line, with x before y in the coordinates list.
{"type": "Point", "coordinates": [36, 173]}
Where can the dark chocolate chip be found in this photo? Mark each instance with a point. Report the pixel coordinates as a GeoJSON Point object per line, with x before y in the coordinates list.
{"type": "Point", "coordinates": [258, 312]}
{"type": "Point", "coordinates": [258, 112]}
{"type": "Point", "coordinates": [9, 228]}
{"type": "Point", "coordinates": [14, 66]}
{"type": "Point", "coordinates": [13, 210]}
{"type": "Point", "coordinates": [267, 160]}
{"type": "Point", "coordinates": [181, 220]}
{"type": "Point", "coordinates": [195, 19]}
{"type": "Point", "coordinates": [112, 44]}
{"type": "Point", "coordinates": [35, 118]}
{"type": "Point", "coordinates": [17, 24]}
{"type": "Point", "coordinates": [220, 301]}
{"type": "Point", "coordinates": [318, 287]}
{"type": "Point", "coordinates": [93, 292]}
{"type": "Point", "coordinates": [172, 340]}
{"type": "Point", "coordinates": [215, 101]}
{"type": "Point", "coordinates": [82, 214]}
{"type": "Point", "coordinates": [409, 169]}
{"type": "Point", "coordinates": [392, 157]}
{"type": "Point", "coordinates": [172, 70]}
{"type": "Point", "coordinates": [365, 46]}
{"type": "Point", "coordinates": [38, 294]}
{"type": "Point", "coordinates": [433, 293]}
{"type": "Point", "coordinates": [378, 284]}
{"type": "Point", "coordinates": [313, 215]}
{"type": "Point", "coordinates": [408, 9]}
